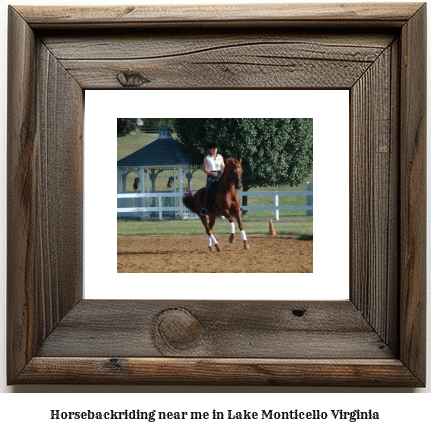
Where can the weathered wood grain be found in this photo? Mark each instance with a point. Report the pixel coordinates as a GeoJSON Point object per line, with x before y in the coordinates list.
{"type": "Point", "coordinates": [246, 66]}
{"type": "Point", "coordinates": [139, 45]}
{"type": "Point", "coordinates": [236, 329]}
{"type": "Point", "coordinates": [44, 193]}
{"type": "Point", "coordinates": [197, 371]}
{"type": "Point", "coordinates": [21, 196]}
{"type": "Point", "coordinates": [223, 60]}
{"type": "Point", "coordinates": [375, 338]}
{"type": "Point", "coordinates": [59, 183]}
{"type": "Point", "coordinates": [373, 185]}
{"type": "Point", "coordinates": [313, 14]}
{"type": "Point", "coordinates": [413, 194]}
{"type": "Point", "coordinates": [231, 71]}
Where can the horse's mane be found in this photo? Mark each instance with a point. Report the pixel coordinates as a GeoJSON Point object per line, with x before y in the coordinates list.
{"type": "Point", "coordinates": [232, 161]}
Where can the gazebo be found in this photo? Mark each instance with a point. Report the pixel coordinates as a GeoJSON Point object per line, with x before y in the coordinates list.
{"type": "Point", "coordinates": [165, 153]}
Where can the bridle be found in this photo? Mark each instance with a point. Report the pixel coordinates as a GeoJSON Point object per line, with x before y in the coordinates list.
{"type": "Point", "coordinates": [238, 180]}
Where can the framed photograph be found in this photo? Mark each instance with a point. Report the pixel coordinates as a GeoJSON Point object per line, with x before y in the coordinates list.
{"type": "Point", "coordinates": [125, 252]}
{"type": "Point", "coordinates": [376, 337]}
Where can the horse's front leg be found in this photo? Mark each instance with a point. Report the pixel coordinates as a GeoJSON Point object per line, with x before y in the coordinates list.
{"type": "Point", "coordinates": [211, 240]}
{"type": "Point", "coordinates": [231, 230]}
{"type": "Point", "coordinates": [231, 220]}
{"type": "Point", "coordinates": [229, 217]}
{"type": "Point", "coordinates": [241, 228]}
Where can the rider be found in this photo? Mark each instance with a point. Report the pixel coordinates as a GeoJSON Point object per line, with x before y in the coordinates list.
{"type": "Point", "coordinates": [213, 168]}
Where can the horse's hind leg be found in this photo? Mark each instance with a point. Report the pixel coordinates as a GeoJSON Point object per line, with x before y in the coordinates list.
{"type": "Point", "coordinates": [212, 219]}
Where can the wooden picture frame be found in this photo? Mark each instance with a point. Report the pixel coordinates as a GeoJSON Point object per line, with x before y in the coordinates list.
{"type": "Point", "coordinates": [376, 338]}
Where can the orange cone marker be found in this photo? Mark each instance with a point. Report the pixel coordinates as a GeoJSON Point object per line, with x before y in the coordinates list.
{"type": "Point", "coordinates": [271, 229]}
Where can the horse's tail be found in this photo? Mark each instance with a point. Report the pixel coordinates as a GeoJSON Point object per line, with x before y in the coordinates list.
{"type": "Point", "coordinates": [189, 202]}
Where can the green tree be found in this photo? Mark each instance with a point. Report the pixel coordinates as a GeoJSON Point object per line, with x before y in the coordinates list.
{"type": "Point", "coordinates": [153, 123]}
{"type": "Point", "coordinates": [275, 151]}
{"type": "Point", "coordinates": [125, 126]}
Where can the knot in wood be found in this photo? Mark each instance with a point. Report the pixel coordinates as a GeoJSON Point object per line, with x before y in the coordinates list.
{"type": "Point", "coordinates": [115, 363]}
{"type": "Point", "coordinates": [298, 312]}
{"type": "Point", "coordinates": [178, 329]}
{"type": "Point", "coordinates": [131, 79]}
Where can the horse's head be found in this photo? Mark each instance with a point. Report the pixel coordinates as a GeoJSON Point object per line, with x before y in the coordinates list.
{"type": "Point", "coordinates": [233, 172]}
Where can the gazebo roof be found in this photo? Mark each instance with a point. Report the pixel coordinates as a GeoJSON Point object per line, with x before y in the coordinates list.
{"type": "Point", "coordinates": [165, 151]}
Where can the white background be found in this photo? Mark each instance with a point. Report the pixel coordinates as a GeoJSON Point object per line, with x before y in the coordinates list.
{"type": "Point", "coordinates": [330, 277]}
{"type": "Point", "coordinates": [401, 410]}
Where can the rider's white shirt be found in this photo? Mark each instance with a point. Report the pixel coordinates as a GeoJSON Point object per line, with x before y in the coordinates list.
{"type": "Point", "coordinates": [214, 164]}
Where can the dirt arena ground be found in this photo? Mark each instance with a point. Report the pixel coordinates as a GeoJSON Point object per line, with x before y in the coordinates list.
{"type": "Point", "coordinates": [189, 254]}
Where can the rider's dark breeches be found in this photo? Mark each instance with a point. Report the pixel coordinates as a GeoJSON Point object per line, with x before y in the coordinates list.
{"type": "Point", "coordinates": [210, 181]}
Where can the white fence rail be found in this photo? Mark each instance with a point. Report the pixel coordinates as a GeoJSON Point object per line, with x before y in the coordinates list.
{"type": "Point", "coordinates": [157, 202]}
{"type": "Point", "coordinates": [160, 202]}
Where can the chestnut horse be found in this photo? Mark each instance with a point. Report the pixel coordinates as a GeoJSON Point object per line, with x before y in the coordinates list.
{"type": "Point", "coordinates": [224, 202]}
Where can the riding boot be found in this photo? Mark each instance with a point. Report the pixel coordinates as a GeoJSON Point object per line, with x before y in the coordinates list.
{"type": "Point", "coordinates": [204, 210]}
